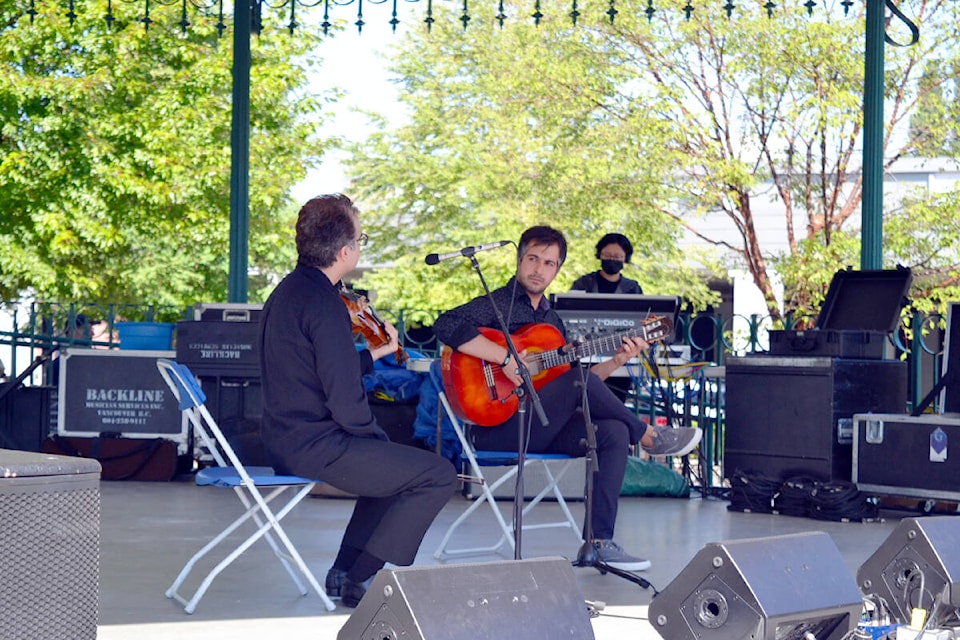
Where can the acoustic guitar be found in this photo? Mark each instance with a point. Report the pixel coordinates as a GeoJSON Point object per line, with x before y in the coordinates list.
{"type": "Point", "coordinates": [479, 392]}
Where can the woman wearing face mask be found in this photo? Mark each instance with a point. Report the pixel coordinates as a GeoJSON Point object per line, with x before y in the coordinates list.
{"type": "Point", "coordinates": [613, 251]}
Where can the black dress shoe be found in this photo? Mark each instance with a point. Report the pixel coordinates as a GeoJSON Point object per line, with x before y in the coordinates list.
{"type": "Point", "coordinates": [352, 592]}
{"type": "Point", "coordinates": [333, 585]}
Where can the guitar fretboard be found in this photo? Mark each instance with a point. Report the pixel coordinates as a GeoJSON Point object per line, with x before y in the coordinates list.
{"type": "Point", "coordinates": [655, 330]}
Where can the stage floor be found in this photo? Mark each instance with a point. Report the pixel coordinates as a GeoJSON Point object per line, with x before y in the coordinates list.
{"type": "Point", "coordinates": [149, 530]}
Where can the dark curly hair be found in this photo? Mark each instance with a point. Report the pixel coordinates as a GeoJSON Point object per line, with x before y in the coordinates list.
{"type": "Point", "coordinates": [542, 235]}
{"type": "Point", "coordinates": [325, 225]}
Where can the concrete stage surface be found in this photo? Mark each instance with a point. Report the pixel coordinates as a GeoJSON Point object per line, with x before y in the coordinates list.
{"type": "Point", "coordinates": [149, 530]}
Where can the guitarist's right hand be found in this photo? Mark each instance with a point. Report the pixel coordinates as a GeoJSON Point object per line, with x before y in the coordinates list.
{"type": "Point", "coordinates": [512, 372]}
{"type": "Point", "coordinates": [485, 349]}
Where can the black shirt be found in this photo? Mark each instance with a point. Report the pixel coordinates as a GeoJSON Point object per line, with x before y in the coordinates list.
{"type": "Point", "coordinates": [311, 375]}
{"type": "Point", "coordinates": [460, 324]}
{"type": "Point", "coordinates": [592, 283]}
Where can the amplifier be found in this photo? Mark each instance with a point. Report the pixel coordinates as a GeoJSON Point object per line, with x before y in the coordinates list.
{"type": "Point", "coordinates": [792, 416]}
{"type": "Point", "coordinates": [219, 348]}
{"type": "Point", "coordinates": [903, 455]}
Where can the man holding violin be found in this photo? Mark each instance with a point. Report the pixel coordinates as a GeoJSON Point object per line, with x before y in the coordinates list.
{"type": "Point", "coordinates": [316, 419]}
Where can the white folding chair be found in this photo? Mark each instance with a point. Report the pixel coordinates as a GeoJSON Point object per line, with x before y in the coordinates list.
{"type": "Point", "coordinates": [246, 483]}
{"type": "Point", "coordinates": [474, 461]}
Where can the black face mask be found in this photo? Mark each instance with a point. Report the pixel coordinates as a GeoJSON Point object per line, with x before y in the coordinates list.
{"type": "Point", "coordinates": [611, 267]}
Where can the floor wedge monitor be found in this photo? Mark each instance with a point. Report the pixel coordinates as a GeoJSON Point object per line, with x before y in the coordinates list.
{"type": "Point", "coordinates": [790, 587]}
{"type": "Point", "coordinates": [512, 600]}
{"type": "Point", "coordinates": [917, 563]}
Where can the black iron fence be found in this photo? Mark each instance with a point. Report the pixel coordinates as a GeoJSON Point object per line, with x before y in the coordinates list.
{"type": "Point", "coordinates": [29, 330]}
{"type": "Point", "coordinates": [32, 330]}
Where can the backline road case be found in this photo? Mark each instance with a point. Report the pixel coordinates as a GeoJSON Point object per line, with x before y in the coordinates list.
{"type": "Point", "coordinates": [902, 455]}
{"type": "Point", "coordinates": [116, 391]}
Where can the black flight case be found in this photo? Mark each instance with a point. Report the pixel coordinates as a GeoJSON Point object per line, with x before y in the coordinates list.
{"type": "Point", "coordinates": [221, 347]}
{"type": "Point", "coordinates": [859, 312]}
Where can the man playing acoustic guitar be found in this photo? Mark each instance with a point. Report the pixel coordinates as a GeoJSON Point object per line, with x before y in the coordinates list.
{"type": "Point", "coordinates": [466, 329]}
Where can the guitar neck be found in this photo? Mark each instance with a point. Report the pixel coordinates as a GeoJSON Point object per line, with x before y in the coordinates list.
{"type": "Point", "coordinates": [595, 346]}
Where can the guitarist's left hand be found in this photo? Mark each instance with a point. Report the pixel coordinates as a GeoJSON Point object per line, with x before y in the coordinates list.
{"type": "Point", "coordinates": [631, 348]}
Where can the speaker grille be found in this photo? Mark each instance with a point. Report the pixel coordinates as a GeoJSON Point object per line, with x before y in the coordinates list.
{"type": "Point", "coordinates": [50, 558]}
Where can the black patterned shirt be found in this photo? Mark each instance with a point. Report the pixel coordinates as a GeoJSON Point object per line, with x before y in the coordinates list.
{"type": "Point", "coordinates": [460, 324]}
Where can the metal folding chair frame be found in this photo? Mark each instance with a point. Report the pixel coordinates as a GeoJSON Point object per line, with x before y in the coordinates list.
{"type": "Point", "coordinates": [475, 461]}
{"type": "Point", "coordinates": [246, 483]}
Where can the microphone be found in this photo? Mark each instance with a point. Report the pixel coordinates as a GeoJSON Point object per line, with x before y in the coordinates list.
{"type": "Point", "coordinates": [434, 258]}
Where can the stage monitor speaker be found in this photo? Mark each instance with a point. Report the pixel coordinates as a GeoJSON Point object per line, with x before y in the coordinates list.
{"type": "Point", "coordinates": [790, 587]}
{"type": "Point", "coordinates": [512, 600]}
{"type": "Point", "coordinates": [919, 561]}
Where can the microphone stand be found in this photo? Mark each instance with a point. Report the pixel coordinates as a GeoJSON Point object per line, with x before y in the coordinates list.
{"type": "Point", "coordinates": [527, 395]}
{"type": "Point", "coordinates": [587, 556]}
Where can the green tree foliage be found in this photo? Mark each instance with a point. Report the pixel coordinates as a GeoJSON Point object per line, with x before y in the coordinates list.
{"type": "Point", "coordinates": [115, 154]}
{"type": "Point", "coordinates": [662, 127]}
{"type": "Point", "coordinates": [935, 124]}
{"type": "Point", "coordinates": [924, 233]}
{"type": "Point", "coordinates": [510, 128]}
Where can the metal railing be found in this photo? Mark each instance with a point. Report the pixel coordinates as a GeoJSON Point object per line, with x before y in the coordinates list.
{"type": "Point", "coordinates": [692, 392]}
{"type": "Point", "coordinates": [28, 329]}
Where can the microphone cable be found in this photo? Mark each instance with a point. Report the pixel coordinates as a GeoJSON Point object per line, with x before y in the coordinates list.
{"type": "Point", "coordinates": [842, 501]}
{"type": "Point", "coordinates": [795, 493]}
{"type": "Point", "coordinates": [752, 492]}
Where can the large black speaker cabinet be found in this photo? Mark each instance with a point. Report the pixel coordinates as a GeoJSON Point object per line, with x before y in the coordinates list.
{"type": "Point", "coordinates": [513, 600]}
{"type": "Point", "coordinates": [919, 561]}
{"type": "Point", "coordinates": [793, 416]}
{"type": "Point", "coordinates": [24, 416]}
{"type": "Point", "coordinates": [788, 587]}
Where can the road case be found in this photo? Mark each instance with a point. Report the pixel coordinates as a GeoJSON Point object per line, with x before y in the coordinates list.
{"type": "Point", "coordinates": [115, 391]}
{"type": "Point", "coordinates": [902, 455]}
{"type": "Point", "coordinates": [860, 309]}
{"type": "Point", "coordinates": [227, 312]}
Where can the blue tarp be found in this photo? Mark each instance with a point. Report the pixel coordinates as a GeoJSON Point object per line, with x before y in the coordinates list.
{"type": "Point", "coordinates": [425, 426]}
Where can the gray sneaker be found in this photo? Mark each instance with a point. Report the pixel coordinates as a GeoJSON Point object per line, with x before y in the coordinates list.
{"type": "Point", "coordinates": [674, 441]}
{"type": "Point", "coordinates": [609, 552]}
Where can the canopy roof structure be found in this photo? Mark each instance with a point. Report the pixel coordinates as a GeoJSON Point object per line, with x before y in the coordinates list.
{"type": "Point", "coordinates": [247, 21]}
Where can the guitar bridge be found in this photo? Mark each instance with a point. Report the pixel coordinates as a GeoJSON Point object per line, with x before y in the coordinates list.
{"type": "Point", "coordinates": [489, 381]}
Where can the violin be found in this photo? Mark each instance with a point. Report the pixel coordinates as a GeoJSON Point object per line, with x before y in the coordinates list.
{"type": "Point", "coordinates": [365, 321]}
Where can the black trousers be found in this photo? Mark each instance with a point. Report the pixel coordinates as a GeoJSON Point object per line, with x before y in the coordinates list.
{"type": "Point", "coordinates": [400, 490]}
{"type": "Point", "coordinates": [617, 428]}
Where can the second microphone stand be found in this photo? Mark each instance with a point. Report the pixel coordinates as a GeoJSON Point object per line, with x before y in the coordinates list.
{"type": "Point", "coordinates": [587, 556]}
{"type": "Point", "coordinates": [528, 396]}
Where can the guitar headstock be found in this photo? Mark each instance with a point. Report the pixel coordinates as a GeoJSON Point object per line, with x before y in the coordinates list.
{"type": "Point", "coordinates": [656, 328]}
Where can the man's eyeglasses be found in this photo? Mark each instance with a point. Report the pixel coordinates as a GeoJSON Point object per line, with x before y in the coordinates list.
{"type": "Point", "coordinates": [362, 240]}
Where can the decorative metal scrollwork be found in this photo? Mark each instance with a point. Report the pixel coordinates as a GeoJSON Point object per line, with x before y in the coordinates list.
{"type": "Point", "coordinates": [294, 7]}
